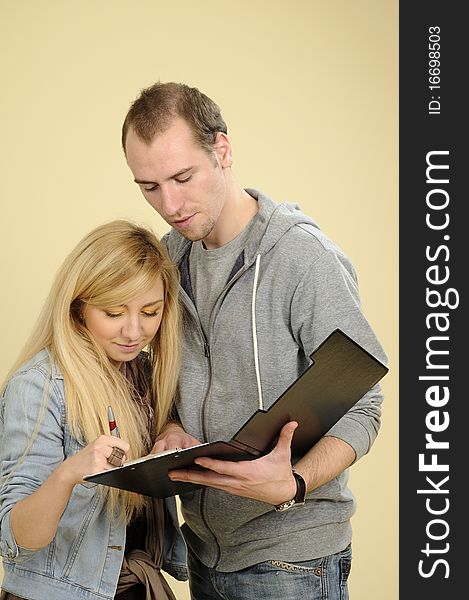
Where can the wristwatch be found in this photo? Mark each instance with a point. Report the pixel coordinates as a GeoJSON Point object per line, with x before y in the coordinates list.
{"type": "Point", "coordinates": [299, 496]}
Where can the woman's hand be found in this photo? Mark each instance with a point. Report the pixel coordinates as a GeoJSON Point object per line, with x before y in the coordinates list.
{"type": "Point", "coordinates": [91, 459]}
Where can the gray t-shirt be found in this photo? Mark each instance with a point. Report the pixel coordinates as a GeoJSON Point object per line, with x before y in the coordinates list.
{"type": "Point", "coordinates": [210, 269]}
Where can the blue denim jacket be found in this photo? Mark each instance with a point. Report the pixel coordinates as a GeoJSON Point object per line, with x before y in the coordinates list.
{"type": "Point", "coordinates": [84, 558]}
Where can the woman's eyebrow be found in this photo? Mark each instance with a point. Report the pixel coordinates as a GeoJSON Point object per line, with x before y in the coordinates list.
{"type": "Point", "coordinates": [152, 303]}
{"type": "Point", "coordinates": [159, 301]}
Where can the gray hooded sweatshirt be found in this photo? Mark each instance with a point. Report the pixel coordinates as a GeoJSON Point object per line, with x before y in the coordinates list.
{"type": "Point", "coordinates": [289, 289]}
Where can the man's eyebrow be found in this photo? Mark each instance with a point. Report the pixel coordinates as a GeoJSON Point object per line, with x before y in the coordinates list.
{"type": "Point", "coordinates": [143, 181]}
{"type": "Point", "coordinates": [178, 174]}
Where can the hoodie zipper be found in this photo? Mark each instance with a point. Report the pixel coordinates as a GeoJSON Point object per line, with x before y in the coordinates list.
{"type": "Point", "coordinates": [215, 311]}
{"type": "Point", "coordinates": [203, 492]}
{"type": "Point", "coordinates": [207, 352]}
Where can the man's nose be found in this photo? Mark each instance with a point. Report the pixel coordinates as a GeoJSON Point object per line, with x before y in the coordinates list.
{"type": "Point", "coordinates": [171, 202]}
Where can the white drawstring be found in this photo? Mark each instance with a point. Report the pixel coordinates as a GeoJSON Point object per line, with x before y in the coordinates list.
{"type": "Point", "coordinates": [254, 332]}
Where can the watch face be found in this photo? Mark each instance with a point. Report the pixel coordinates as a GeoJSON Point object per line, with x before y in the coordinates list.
{"type": "Point", "coordinates": [285, 505]}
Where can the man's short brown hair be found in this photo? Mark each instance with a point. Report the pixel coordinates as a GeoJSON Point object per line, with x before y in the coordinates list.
{"type": "Point", "coordinates": [156, 106]}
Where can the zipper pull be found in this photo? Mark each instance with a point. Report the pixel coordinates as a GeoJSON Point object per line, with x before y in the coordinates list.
{"type": "Point", "coordinates": [207, 349]}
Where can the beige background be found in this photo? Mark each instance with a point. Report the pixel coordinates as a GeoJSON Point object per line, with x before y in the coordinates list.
{"type": "Point", "coordinates": [309, 92]}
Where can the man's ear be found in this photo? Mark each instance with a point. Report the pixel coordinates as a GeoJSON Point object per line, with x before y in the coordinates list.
{"type": "Point", "coordinates": [222, 149]}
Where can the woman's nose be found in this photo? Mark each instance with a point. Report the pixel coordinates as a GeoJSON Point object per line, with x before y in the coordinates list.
{"type": "Point", "coordinates": [132, 328]}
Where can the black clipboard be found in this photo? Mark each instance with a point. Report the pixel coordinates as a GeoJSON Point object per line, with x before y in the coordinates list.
{"type": "Point", "coordinates": [341, 373]}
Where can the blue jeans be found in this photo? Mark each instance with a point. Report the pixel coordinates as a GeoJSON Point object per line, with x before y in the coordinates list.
{"type": "Point", "coordinates": [319, 579]}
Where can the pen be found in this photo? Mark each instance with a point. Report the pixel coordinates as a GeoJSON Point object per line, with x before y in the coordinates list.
{"type": "Point", "coordinates": [112, 422]}
{"type": "Point", "coordinates": [117, 454]}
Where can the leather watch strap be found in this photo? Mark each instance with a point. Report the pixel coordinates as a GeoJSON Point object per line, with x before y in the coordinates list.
{"type": "Point", "coordinates": [299, 497]}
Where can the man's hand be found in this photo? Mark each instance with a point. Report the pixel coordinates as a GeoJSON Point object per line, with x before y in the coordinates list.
{"type": "Point", "coordinates": [173, 436]}
{"type": "Point", "coordinates": [268, 479]}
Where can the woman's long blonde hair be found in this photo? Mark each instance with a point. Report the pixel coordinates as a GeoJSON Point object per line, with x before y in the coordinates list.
{"type": "Point", "coordinates": [113, 264]}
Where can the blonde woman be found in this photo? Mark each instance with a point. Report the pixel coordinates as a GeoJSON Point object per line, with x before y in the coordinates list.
{"type": "Point", "coordinates": [108, 335]}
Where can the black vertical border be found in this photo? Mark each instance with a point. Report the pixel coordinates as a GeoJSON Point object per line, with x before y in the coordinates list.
{"type": "Point", "coordinates": [433, 523]}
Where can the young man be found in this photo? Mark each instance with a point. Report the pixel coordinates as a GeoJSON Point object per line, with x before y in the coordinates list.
{"type": "Point", "coordinates": [262, 287]}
